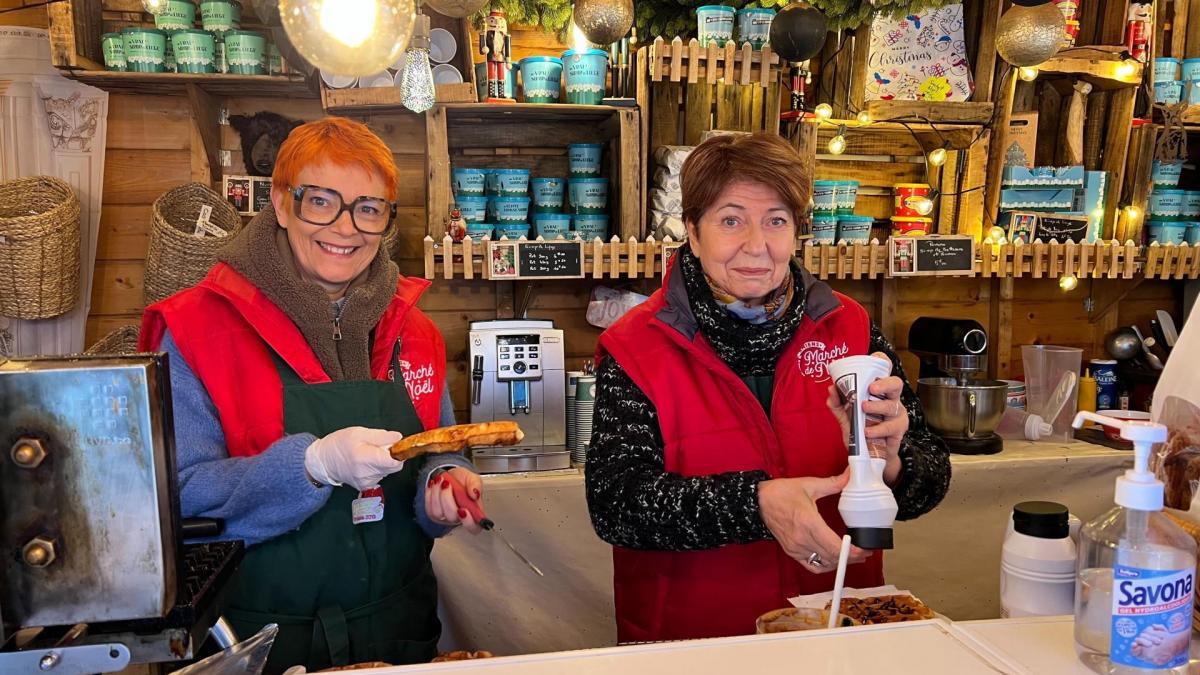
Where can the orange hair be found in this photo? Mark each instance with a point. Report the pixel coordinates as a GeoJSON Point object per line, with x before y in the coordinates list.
{"type": "Point", "coordinates": [336, 140]}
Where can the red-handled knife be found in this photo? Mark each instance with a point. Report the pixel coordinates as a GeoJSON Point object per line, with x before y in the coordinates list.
{"type": "Point", "coordinates": [472, 507]}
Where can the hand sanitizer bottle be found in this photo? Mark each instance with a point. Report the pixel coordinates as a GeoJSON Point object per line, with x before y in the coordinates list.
{"type": "Point", "coordinates": [1135, 577]}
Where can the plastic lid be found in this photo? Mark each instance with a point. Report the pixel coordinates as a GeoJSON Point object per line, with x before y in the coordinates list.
{"type": "Point", "coordinates": [1036, 428]}
{"type": "Point", "coordinates": [871, 538]}
{"type": "Point", "coordinates": [542, 59]}
{"type": "Point", "coordinates": [715, 8]}
{"type": "Point", "coordinates": [585, 52]}
{"type": "Point", "coordinates": [1044, 520]}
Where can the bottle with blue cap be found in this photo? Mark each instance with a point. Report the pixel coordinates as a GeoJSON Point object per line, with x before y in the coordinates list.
{"type": "Point", "coordinates": [1135, 577]}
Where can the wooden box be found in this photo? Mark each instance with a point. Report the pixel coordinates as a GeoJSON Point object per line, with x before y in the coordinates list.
{"type": "Point", "coordinates": [534, 136]}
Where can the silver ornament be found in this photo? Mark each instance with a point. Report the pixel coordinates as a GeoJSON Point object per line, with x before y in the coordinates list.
{"type": "Point", "coordinates": [455, 9]}
{"type": "Point", "coordinates": [1027, 36]}
{"type": "Point", "coordinates": [604, 22]}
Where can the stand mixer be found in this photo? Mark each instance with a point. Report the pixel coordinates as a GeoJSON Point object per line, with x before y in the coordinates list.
{"type": "Point", "coordinates": [961, 405]}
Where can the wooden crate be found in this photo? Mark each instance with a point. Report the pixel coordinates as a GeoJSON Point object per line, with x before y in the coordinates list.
{"type": "Point", "coordinates": [387, 99]}
{"type": "Point", "coordinates": [535, 136]}
{"type": "Point", "coordinates": [882, 154]}
{"type": "Point", "coordinates": [686, 90]}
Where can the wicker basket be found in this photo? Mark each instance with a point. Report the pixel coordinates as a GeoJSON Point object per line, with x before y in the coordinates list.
{"type": "Point", "coordinates": [177, 258]}
{"type": "Point", "coordinates": [39, 248]}
{"type": "Point", "coordinates": [123, 340]}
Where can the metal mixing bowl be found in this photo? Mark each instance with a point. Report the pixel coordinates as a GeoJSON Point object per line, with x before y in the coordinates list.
{"type": "Point", "coordinates": [1123, 344]}
{"type": "Point", "coordinates": [970, 411]}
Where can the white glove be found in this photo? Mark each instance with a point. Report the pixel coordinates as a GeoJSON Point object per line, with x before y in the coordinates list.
{"type": "Point", "coordinates": [355, 456]}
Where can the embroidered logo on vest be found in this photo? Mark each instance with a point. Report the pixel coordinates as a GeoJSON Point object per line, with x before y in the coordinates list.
{"type": "Point", "coordinates": [418, 381]}
{"type": "Point", "coordinates": [814, 356]}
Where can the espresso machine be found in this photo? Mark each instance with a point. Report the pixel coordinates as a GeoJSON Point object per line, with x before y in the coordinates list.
{"type": "Point", "coordinates": [961, 404]}
{"type": "Point", "coordinates": [517, 374]}
{"type": "Point", "coordinates": [94, 575]}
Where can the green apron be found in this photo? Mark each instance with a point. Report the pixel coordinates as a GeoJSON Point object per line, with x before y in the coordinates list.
{"type": "Point", "coordinates": [344, 593]}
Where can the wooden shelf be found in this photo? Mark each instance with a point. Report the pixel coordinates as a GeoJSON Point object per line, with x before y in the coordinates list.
{"type": "Point", "coordinates": [530, 112]}
{"type": "Point", "coordinates": [216, 84]}
{"type": "Point", "coordinates": [1102, 67]}
{"type": "Point", "coordinates": [630, 259]}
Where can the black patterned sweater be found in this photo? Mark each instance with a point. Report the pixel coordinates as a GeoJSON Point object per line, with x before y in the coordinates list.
{"type": "Point", "coordinates": [635, 503]}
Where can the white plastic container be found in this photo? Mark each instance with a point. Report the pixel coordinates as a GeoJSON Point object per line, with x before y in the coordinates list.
{"type": "Point", "coordinates": [1037, 562]}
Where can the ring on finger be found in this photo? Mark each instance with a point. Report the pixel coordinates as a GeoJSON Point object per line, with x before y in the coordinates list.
{"type": "Point", "coordinates": [814, 559]}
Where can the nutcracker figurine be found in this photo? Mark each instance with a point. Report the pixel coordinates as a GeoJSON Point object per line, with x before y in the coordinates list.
{"type": "Point", "coordinates": [496, 47]}
{"type": "Point", "coordinates": [456, 227]}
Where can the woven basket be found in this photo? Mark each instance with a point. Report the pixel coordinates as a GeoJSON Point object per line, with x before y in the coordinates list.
{"type": "Point", "coordinates": [123, 340]}
{"type": "Point", "coordinates": [177, 258]}
{"type": "Point", "coordinates": [39, 248]}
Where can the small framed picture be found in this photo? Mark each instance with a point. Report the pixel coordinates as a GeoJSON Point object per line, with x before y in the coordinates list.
{"type": "Point", "coordinates": [239, 192]}
{"type": "Point", "coordinates": [502, 260]}
{"type": "Point", "coordinates": [262, 194]}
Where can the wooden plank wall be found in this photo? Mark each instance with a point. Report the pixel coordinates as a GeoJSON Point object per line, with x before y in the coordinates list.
{"type": "Point", "coordinates": [30, 13]}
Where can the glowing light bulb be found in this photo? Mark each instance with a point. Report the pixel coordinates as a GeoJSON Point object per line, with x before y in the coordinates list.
{"type": "Point", "coordinates": [1133, 213]}
{"type": "Point", "coordinates": [1126, 70]}
{"type": "Point", "coordinates": [823, 111]}
{"type": "Point", "coordinates": [996, 234]}
{"type": "Point", "coordinates": [1027, 73]}
{"type": "Point", "coordinates": [155, 7]}
{"type": "Point", "coordinates": [837, 144]}
{"type": "Point", "coordinates": [938, 157]}
{"type": "Point", "coordinates": [922, 205]}
{"type": "Point", "coordinates": [1068, 282]}
{"type": "Point", "coordinates": [349, 37]}
{"type": "Point", "coordinates": [579, 41]}
{"type": "Point", "coordinates": [864, 117]}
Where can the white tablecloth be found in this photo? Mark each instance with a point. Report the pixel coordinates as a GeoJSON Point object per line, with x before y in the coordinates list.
{"type": "Point", "coordinates": [949, 557]}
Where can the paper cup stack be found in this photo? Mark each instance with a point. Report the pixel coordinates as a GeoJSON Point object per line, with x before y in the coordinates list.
{"type": "Point", "coordinates": [572, 381]}
{"type": "Point", "coordinates": [584, 405]}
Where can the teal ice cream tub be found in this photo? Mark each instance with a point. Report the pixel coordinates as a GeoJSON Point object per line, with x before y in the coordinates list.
{"type": "Point", "coordinates": [114, 52]}
{"type": "Point", "coordinates": [503, 210]}
{"type": "Point", "coordinates": [754, 26]}
{"type": "Point", "coordinates": [510, 82]}
{"type": "Point", "coordinates": [217, 16]}
{"type": "Point", "coordinates": [854, 228]}
{"type": "Point", "coordinates": [541, 79]}
{"type": "Point", "coordinates": [552, 225]}
{"type": "Point", "coordinates": [477, 231]}
{"type": "Point", "coordinates": [583, 159]}
{"type": "Point", "coordinates": [468, 181]}
{"type": "Point", "coordinates": [824, 196]}
{"type": "Point", "coordinates": [1190, 70]}
{"type": "Point", "coordinates": [179, 15]}
{"type": "Point", "coordinates": [145, 49]}
{"type": "Point", "coordinates": [586, 75]}
{"type": "Point", "coordinates": [1166, 69]}
{"type": "Point", "coordinates": [1168, 232]}
{"type": "Point", "coordinates": [846, 196]}
{"type": "Point", "coordinates": [824, 228]}
{"type": "Point", "coordinates": [244, 51]}
{"type": "Point", "coordinates": [1193, 234]}
{"type": "Point", "coordinates": [1191, 203]}
{"type": "Point", "coordinates": [588, 195]}
{"type": "Point", "coordinates": [548, 194]}
{"type": "Point", "coordinates": [472, 207]}
{"type": "Point", "coordinates": [512, 230]}
{"type": "Point", "coordinates": [509, 182]}
{"type": "Point", "coordinates": [1168, 92]}
{"type": "Point", "coordinates": [714, 25]}
{"type": "Point", "coordinates": [589, 226]}
{"type": "Point", "coordinates": [195, 51]}
{"type": "Point", "coordinates": [1166, 172]}
{"type": "Point", "coordinates": [1166, 202]}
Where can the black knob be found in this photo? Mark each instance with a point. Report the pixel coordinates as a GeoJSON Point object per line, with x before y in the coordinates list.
{"type": "Point", "coordinates": [519, 367]}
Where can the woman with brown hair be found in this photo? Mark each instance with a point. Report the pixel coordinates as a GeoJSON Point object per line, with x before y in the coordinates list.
{"type": "Point", "coordinates": [717, 444]}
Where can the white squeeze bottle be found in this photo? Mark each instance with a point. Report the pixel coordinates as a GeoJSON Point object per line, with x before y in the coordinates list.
{"type": "Point", "coordinates": [1135, 576]}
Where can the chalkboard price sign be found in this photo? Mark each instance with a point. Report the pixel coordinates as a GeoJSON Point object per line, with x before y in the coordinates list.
{"type": "Point", "coordinates": [535, 260]}
{"type": "Point", "coordinates": [932, 255]}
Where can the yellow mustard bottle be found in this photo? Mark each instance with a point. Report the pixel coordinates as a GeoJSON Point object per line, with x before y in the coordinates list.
{"type": "Point", "coordinates": [1087, 392]}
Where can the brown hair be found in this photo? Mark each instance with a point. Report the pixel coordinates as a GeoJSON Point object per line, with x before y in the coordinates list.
{"type": "Point", "coordinates": [757, 158]}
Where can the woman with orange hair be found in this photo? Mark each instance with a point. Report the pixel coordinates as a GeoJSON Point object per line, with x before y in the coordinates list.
{"type": "Point", "coordinates": [294, 365]}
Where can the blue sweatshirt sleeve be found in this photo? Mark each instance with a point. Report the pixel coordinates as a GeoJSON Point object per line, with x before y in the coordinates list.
{"type": "Point", "coordinates": [435, 463]}
{"type": "Point", "coordinates": [259, 497]}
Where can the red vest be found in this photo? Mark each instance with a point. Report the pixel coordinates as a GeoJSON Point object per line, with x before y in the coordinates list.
{"type": "Point", "coordinates": [711, 423]}
{"type": "Point", "coordinates": [226, 329]}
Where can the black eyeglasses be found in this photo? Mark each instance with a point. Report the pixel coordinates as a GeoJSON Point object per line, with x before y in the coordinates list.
{"type": "Point", "coordinates": [318, 205]}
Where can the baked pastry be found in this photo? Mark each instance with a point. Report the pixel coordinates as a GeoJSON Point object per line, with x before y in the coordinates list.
{"type": "Point", "coordinates": [456, 439]}
{"type": "Point", "coordinates": [461, 656]}
{"type": "Point", "coordinates": [358, 666]}
{"type": "Point", "coordinates": [885, 609]}
{"type": "Point", "coordinates": [797, 618]}
{"type": "Point", "coordinates": [1181, 466]}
